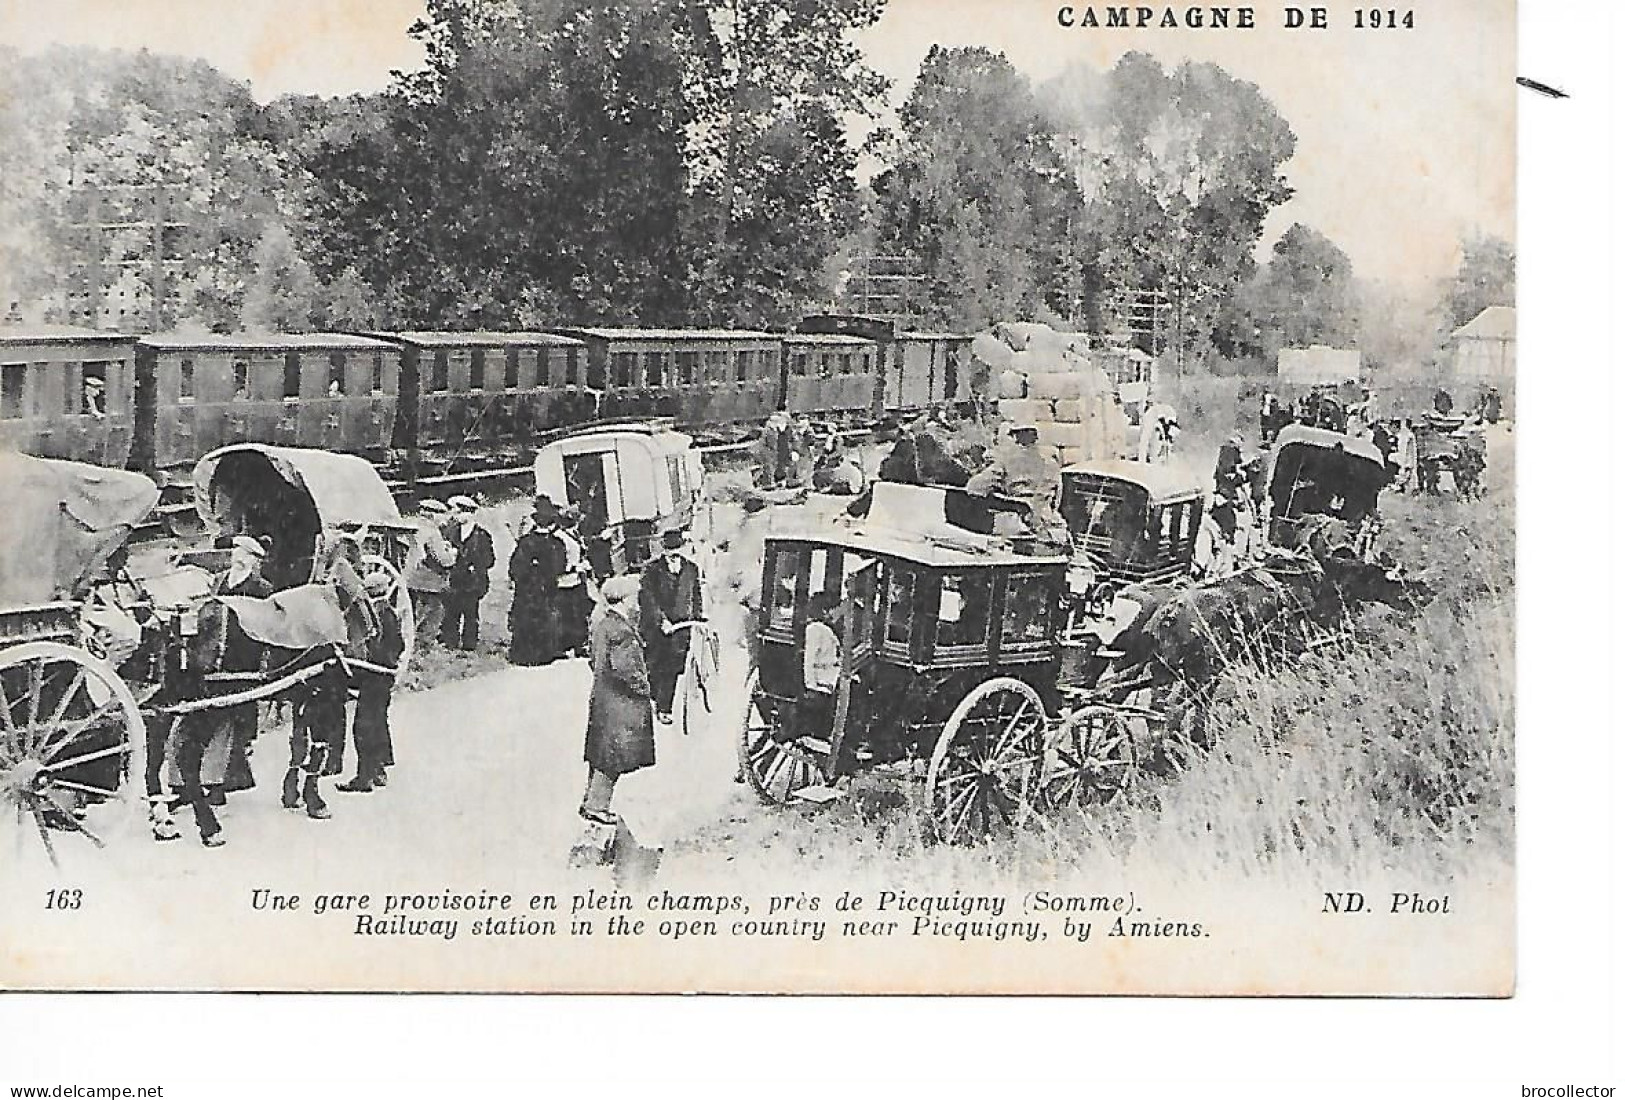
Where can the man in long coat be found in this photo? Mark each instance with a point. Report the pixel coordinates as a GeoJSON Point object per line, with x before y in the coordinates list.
{"type": "Point", "coordinates": [374, 747]}
{"type": "Point", "coordinates": [428, 573]}
{"type": "Point", "coordinates": [469, 579]}
{"type": "Point", "coordinates": [669, 603]}
{"type": "Point", "coordinates": [620, 729]}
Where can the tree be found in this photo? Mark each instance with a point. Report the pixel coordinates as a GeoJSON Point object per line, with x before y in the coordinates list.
{"type": "Point", "coordinates": [772, 175]}
{"type": "Point", "coordinates": [1485, 278]}
{"type": "Point", "coordinates": [534, 166]}
{"type": "Point", "coordinates": [1305, 295]}
{"type": "Point", "coordinates": [1180, 169]}
{"type": "Point", "coordinates": [281, 290]}
{"type": "Point", "coordinates": [975, 190]}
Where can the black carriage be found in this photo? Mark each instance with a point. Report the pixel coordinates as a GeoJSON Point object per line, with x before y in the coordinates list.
{"type": "Point", "coordinates": [72, 735]}
{"type": "Point", "coordinates": [1316, 472]}
{"type": "Point", "coordinates": [950, 670]}
{"type": "Point", "coordinates": [1130, 523]}
{"type": "Point", "coordinates": [1449, 445]}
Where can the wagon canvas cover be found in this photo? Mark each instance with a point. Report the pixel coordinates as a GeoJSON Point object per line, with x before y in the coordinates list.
{"type": "Point", "coordinates": [892, 754]}
{"type": "Point", "coordinates": [59, 520]}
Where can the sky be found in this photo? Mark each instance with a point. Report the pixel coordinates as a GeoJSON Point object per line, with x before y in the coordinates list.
{"type": "Point", "coordinates": [1405, 137]}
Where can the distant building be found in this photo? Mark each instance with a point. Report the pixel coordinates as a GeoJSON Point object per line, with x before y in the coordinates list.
{"type": "Point", "coordinates": [1485, 348]}
{"type": "Point", "coordinates": [1318, 365]}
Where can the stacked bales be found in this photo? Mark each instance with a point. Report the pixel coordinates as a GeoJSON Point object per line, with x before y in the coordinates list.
{"type": "Point", "coordinates": [1049, 380]}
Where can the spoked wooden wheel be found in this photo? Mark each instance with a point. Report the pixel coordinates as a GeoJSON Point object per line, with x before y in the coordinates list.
{"type": "Point", "coordinates": [400, 600]}
{"type": "Point", "coordinates": [775, 768]}
{"type": "Point", "coordinates": [985, 768]}
{"type": "Point", "coordinates": [1089, 759]}
{"type": "Point", "coordinates": [72, 740]}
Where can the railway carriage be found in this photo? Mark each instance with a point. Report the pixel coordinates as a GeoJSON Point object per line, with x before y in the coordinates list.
{"type": "Point", "coordinates": [325, 391]}
{"type": "Point", "coordinates": [697, 377]}
{"type": "Point", "coordinates": [68, 393]}
{"type": "Point", "coordinates": [469, 397]}
{"type": "Point", "coordinates": [926, 370]}
{"type": "Point", "coordinates": [829, 375]}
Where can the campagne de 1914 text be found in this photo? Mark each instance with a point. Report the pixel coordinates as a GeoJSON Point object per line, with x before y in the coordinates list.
{"type": "Point", "coordinates": [1209, 17]}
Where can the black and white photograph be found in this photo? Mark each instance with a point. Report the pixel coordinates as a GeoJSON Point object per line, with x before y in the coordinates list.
{"type": "Point", "coordinates": [795, 496]}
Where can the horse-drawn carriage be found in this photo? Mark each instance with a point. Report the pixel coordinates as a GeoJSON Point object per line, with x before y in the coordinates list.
{"type": "Point", "coordinates": [631, 483]}
{"type": "Point", "coordinates": [1314, 473]}
{"type": "Point", "coordinates": [1130, 523]}
{"type": "Point", "coordinates": [305, 506]}
{"type": "Point", "coordinates": [951, 669]}
{"type": "Point", "coordinates": [72, 735]}
{"type": "Point", "coordinates": [1449, 444]}
{"type": "Point", "coordinates": [102, 661]}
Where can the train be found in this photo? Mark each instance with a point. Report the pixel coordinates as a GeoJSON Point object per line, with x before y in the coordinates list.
{"type": "Point", "coordinates": [426, 405]}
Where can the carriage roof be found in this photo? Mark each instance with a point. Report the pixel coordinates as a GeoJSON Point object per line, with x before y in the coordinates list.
{"type": "Point", "coordinates": [1163, 483]}
{"type": "Point", "coordinates": [62, 520]}
{"type": "Point", "coordinates": [907, 522]}
{"type": "Point", "coordinates": [51, 335]}
{"type": "Point", "coordinates": [262, 341]}
{"type": "Point", "coordinates": [1322, 439]}
{"type": "Point", "coordinates": [345, 490]}
{"type": "Point", "coordinates": [1349, 464]}
{"type": "Point", "coordinates": [479, 339]}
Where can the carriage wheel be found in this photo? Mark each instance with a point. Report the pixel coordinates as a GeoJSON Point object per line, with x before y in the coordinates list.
{"type": "Point", "coordinates": [1090, 759]}
{"type": "Point", "coordinates": [985, 768]}
{"type": "Point", "coordinates": [775, 769]}
{"type": "Point", "coordinates": [400, 599]}
{"type": "Point", "coordinates": [71, 740]}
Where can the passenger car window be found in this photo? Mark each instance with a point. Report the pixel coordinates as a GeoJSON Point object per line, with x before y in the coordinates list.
{"type": "Point", "coordinates": [13, 385]}
{"type": "Point", "coordinates": [188, 391]}
{"type": "Point", "coordinates": [1026, 610]}
{"type": "Point", "coordinates": [962, 609]}
{"type": "Point", "coordinates": [899, 605]}
{"type": "Point", "coordinates": [781, 613]}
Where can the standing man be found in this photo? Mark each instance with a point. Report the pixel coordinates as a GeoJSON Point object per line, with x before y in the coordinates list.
{"type": "Point", "coordinates": [669, 603]}
{"type": "Point", "coordinates": [374, 747]}
{"type": "Point", "coordinates": [430, 571]}
{"type": "Point", "coordinates": [244, 577]}
{"type": "Point", "coordinates": [620, 734]}
{"type": "Point", "coordinates": [469, 578]}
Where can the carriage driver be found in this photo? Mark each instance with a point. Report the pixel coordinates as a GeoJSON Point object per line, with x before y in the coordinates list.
{"type": "Point", "coordinates": [1020, 471]}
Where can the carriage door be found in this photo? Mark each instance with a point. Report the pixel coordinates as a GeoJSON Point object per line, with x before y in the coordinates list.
{"type": "Point", "coordinates": [588, 481]}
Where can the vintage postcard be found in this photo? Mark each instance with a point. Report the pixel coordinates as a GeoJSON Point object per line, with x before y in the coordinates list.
{"type": "Point", "coordinates": [867, 496]}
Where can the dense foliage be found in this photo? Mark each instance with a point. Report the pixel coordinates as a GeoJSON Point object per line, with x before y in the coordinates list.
{"type": "Point", "coordinates": [676, 162]}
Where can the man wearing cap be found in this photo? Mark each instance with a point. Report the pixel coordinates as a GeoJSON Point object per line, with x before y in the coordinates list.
{"type": "Point", "coordinates": [430, 569]}
{"type": "Point", "coordinates": [669, 603]}
{"type": "Point", "coordinates": [469, 578]}
{"type": "Point", "coordinates": [620, 734]}
{"type": "Point", "coordinates": [374, 747]}
{"type": "Point", "coordinates": [1020, 471]}
{"type": "Point", "coordinates": [534, 569]}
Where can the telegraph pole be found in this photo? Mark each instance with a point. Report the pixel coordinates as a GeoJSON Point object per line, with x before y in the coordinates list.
{"type": "Point", "coordinates": [150, 253]}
